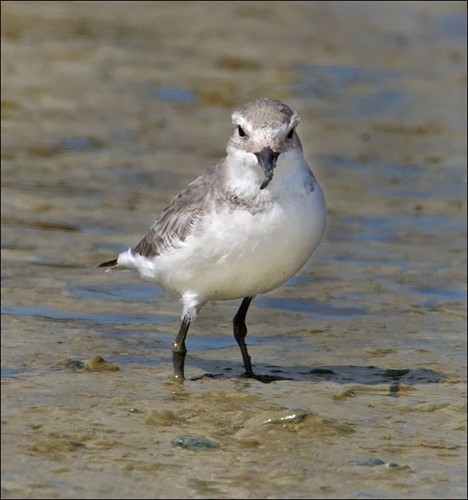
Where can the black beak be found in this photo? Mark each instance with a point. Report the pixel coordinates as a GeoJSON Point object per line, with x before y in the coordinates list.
{"type": "Point", "coordinates": [267, 159]}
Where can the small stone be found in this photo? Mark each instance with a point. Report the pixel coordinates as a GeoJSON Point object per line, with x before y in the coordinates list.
{"type": "Point", "coordinates": [74, 364]}
{"type": "Point", "coordinates": [370, 462]}
{"type": "Point", "coordinates": [393, 465]}
{"type": "Point", "coordinates": [194, 443]}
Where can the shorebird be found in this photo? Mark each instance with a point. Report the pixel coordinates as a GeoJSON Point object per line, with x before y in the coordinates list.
{"type": "Point", "coordinates": [243, 228]}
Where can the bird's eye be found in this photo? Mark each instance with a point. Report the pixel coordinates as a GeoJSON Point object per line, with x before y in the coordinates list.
{"type": "Point", "coordinates": [241, 131]}
{"type": "Point", "coordinates": [291, 134]}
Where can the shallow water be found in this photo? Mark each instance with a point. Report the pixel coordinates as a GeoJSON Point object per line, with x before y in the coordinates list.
{"type": "Point", "coordinates": [107, 111]}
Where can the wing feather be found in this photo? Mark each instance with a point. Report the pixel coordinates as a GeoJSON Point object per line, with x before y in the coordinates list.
{"type": "Point", "coordinates": [180, 217]}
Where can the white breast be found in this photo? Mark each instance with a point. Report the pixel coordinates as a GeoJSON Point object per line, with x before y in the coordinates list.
{"type": "Point", "coordinates": [237, 254]}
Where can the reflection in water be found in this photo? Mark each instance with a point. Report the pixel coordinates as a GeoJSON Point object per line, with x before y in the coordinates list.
{"type": "Point", "coordinates": [68, 316]}
{"type": "Point", "coordinates": [313, 307]}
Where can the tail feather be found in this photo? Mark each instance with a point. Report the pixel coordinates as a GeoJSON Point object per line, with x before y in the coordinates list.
{"type": "Point", "coordinates": [109, 263]}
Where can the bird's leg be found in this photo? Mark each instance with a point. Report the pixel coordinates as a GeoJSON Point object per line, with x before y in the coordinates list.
{"type": "Point", "coordinates": [179, 350]}
{"type": "Point", "coordinates": [240, 331]}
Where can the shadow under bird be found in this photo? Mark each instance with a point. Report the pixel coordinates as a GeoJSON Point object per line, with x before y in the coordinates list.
{"type": "Point", "coordinates": [243, 228]}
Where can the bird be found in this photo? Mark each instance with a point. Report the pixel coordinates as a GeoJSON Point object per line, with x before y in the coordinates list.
{"type": "Point", "coordinates": [243, 228]}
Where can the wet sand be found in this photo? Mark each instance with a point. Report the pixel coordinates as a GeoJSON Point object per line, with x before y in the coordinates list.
{"type": "Point", "coordinates": [108, 109]}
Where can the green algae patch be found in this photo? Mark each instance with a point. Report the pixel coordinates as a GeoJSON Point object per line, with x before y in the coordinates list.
{"type": "Point", "coordinates": [95, 364]}
{"type": "Point", "coordinates": [298, 421]}
{"type": "Point", "coordinates": [99, 364]}
{"type": "Point", "coordinates": [53, 446]}
{"type": "Point", "coordinates": [163, 418]}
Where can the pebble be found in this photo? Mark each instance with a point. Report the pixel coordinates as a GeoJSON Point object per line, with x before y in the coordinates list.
{"type": "Point", "coordinates": [194, 443]}
{"type": "Point", "coordinates": [370, 462]}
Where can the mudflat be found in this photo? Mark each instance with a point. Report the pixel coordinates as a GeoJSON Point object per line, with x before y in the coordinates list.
{"type": "Point", "coordinates": [108, 110]}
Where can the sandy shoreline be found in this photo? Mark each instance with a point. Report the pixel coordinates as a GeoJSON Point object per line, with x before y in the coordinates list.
{"type": "Point", "coordinates": [106, 113]}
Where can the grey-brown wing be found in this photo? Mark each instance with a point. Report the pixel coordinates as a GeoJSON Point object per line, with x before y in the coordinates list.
{"type": "Point", "coordinates": [181, 216]}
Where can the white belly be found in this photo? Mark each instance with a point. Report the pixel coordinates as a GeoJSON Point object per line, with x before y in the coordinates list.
{"type": "Point", "coordinates": [243, 254]}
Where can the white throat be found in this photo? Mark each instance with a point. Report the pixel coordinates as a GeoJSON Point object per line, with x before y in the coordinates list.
{"type": "Point", "coordinates": [244, 173]}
